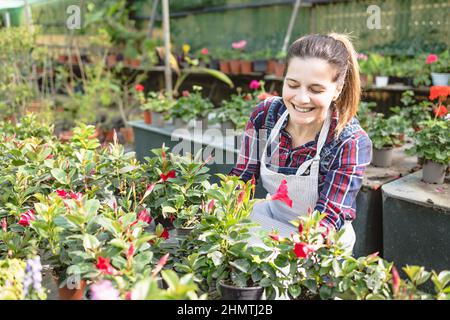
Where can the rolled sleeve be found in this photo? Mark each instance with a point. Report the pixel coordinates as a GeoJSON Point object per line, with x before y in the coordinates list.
{"type": "Point", "coordinates": [344, 180]}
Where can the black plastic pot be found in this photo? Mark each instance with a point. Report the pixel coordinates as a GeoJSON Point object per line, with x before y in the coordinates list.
{"type": "Point", "coordinates": [230, 292]}
{"type": "Point", "coordinates": [166, 222]}
{"type": "Point", "coordinates": [214, 64]}
{"type": "Point", "coordinates": [260, 66]}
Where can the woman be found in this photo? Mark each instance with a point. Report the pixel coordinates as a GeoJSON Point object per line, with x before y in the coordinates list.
{"type": "Point", "coordinates": [310, 137]}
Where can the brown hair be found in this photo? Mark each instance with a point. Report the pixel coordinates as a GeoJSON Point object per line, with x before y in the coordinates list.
{"type": "Point", "coordinates": [337, 49]}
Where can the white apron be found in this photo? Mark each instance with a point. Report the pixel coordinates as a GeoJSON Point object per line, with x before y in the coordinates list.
{"type": "Point", "coordinates": [303, 190]}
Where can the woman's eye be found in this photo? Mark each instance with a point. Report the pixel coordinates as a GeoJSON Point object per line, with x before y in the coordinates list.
{"type": "Point", "coordinates": [292, 86]}
{"type": "Point", "coordinates": [315, 90]}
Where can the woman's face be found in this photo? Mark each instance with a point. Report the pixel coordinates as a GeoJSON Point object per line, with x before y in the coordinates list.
{"type": "Point", "coordinates": [308, 90]}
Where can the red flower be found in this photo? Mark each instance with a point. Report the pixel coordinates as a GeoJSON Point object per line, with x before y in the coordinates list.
{"type": "Point", "coordinates": [255, 85]}
{"type": "Point", "coordinates": [431, 59]}
{"type": "Point", "coordinates": [76, 196]}
{"type": "Point", "coordinates": [439, 92]}
{"type": "Point", "coordinates": [211, 206]}
{"type": "Point", "coordinates": [274, 236]}
{"type": "Point", "coordinates": [104, 266]}
{"type": "Point", "coordinates": [165, 234]}
{"type": "Point", "coordinates": [300, 228]}
{"type": "Point", "coordinates": [240, 199]}
{"type": "Point", "coordinates": [129, 295]}
{"type": "Point", "coordinates": [170, 174]}
{"type": "Point", "coordinates": [395, 280]}
{"type": "Point", "coordinates": [162, 262]}
{"type": "Point", "coordinates": [4, 225]}
{"type": "Point", "coordinates": [131, 251]}
{"type": "Point", "coordinates": [205, 51]}
{"type": "Point", "coordinates": [185, 93]}
{"type": "Point", "coordinates": [282, 194]}
{"type": "Point", "coordinates": [302, 250]}
{"type": "Point", "coordinates": [62, 194]}
{"type": "Point", "coordinates": [50, 156]}
{"type": "Point", "coordinates": [440, 111]}
{"type": "Point", "coordinates": [248, 97]}
{"type": "Point", "coordinates": [139, 87]}
{"type": "Point", "coordinates": [26, 217]}
{"type": "Point", "coordinates": [144, 215]}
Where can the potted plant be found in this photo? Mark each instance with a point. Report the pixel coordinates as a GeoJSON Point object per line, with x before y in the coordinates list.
{"type": "Point", "coordinates": [179, 183]}
{"type": "Point", "coordinates": [364, 72]}
{"type": "Point", "coordinates": [191, 106]}
{"type": "Point", "coordinates": [432, 144]}
{"type": "Point", "coordinates": [234, 113]}
{"type": "Point", "coordinates": [365, 113]}
{"type": "Point", "coordinates": [223, 261]}
{"type": "Point", "coordinates": [260, 60]}
{"type": "Point", "coordinates": [439, 67]}
{"type": "Point", "coordinates": [155, 107]}
{"type": "Point", "coordinates": [280, 64]}
{"type": "Point", "coordinates": [384, 137]}
{"type": "Point", "coordinates": [236, 55]}
{"type": "Point", "coordinates": [381, 67]}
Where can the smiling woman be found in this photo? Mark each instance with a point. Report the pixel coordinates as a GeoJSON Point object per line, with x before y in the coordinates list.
{"type": "Point", "coordinates": [310, 138]}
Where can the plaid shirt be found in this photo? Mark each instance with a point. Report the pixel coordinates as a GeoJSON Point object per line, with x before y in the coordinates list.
{"type": "Point", "coordinates": [342, 160]}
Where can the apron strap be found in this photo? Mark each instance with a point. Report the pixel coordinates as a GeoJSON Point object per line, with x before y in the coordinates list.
{"type": "Point", "coordinates": [314, 163]}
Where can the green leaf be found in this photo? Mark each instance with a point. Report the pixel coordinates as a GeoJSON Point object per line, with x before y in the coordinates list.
{"type": "Point", "coordinates": [60, 175]}
{"type": "Point", "coordinates": [295, 290]}
{"type": "Point", "coordinates": [217, 257]}
{"type": "Point", "coordinates": [118, 243]}
{"type": "Point", "coordinates": [241, 264]}
{"type": "Point", "coordinates": [90, 242]}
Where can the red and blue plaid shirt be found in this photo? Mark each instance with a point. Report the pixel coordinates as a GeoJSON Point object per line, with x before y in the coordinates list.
{"type": "Point", "coordinates": [342, 160]}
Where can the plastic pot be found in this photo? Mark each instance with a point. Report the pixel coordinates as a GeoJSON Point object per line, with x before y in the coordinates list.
{"type": "Point", "coordinates": [382, 157]}
{"type": "Point", "coordinates": [246, 67]}
{"type": "Point", "coordinates": [147, 117]}
{"type": "Point", "coordinates": [230, 292]}
{"type": "Point", "coordinates": [158, 119]}
{"type": "Point", "coordinates": [226, 126]}
{"type": "Point", "coordinates": [180, 123]}
{"type": "Point", "coordinates": [381, 81]}
{"type": "Point", "coordinates": [235, 66]}
{"type": "Point", "coordinates": [224, 66]}
{"type": "Point", "coordinates": [260, 66]}
{"type": "Point", "coordinates": [440, 79]}
{"type": "Point", "coordinates": [433, 172]}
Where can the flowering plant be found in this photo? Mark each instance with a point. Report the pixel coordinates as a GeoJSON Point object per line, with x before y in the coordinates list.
{"type": "Point", "coordinates": [181, 183]}
{"type": "Point", "coordinates": [438, 63]}
{"type": "Point", "coordinates": [220, 242]}
{"type": "Point", "coordinates": [383, 132]}
{"type": "Point", "coordinates": [191, 105]}
{"type": "Point", "coordinates": [157, 102]}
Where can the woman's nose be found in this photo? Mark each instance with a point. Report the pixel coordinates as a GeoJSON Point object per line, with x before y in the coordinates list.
{"type": "Point", "coordinates": [301, 97]}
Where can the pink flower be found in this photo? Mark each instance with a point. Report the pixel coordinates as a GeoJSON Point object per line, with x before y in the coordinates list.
{"type": "Point", "coordinates": [50, 156]}
{"type": "Point", "coordinates": [205, 51]}
{"type": "Point", "coordinates": [104, 290]}
{"type": "Point", "coordinates": [162, 262]}
{"type": "Point", "coordinates": [104, 266]}
{"type": "Point", "coordinates": [302, 250]}
{"type": "Point", "coordinates": [239, 45]}
{"type": "Point", "coordinates": [211, 206]}
{"type": "Point", "coordinates": [26, 217]}
{"type": "Point", "coordinates": [129, 295]}
{"type": "Point", "coordinates": [139, 87]}
{"type": "Point", "coordinates": [4, 225]}
{"type": "Point", "coordinates": [62, 194]}
{"type": "Point", "coordinates": [432, 58]}
{"type": "Point", "coordinates": [185, 93]}
{"type": "Point", "coordinates": [395, 280]}
{"type": "Point", "coordinates": [274, 236]}
{"type": "Point", "coordinates": [170, 174]}
{"type": "Point", "coordinates": [144, 215]}
{"type": "Point", "coordinates": [362, 56]}
{"type": "Point", "coordinates": [282, 194]}
{"type": "Point", "coordinates": [255, 85]}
